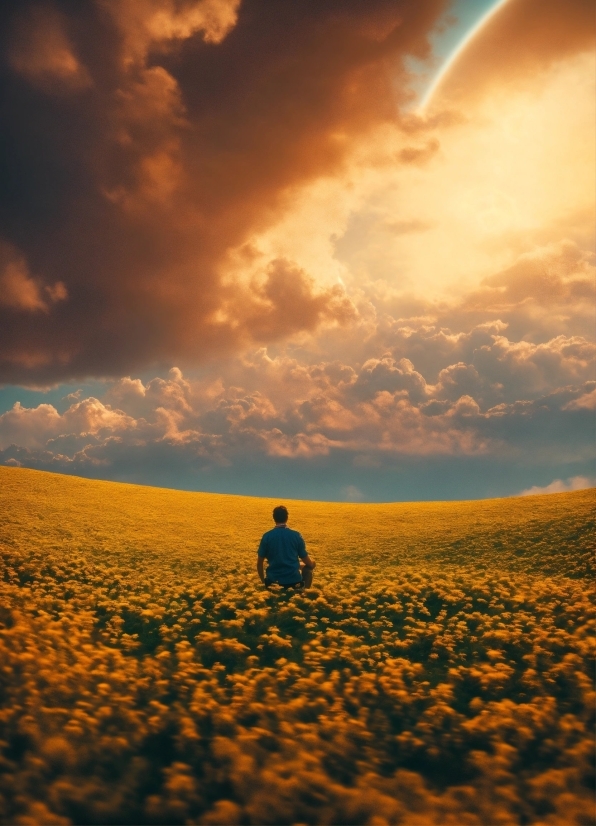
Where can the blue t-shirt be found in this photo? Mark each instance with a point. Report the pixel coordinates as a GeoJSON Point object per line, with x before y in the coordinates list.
{"type": "Point", "coordinates": [282, 547]}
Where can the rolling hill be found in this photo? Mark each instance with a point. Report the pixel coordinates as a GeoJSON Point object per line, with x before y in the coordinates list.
{"type": "Point", "coordinates": [438, 671]}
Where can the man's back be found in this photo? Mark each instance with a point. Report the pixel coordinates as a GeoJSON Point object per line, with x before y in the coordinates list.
{"type": "Point", "coordinates": [283, 548]}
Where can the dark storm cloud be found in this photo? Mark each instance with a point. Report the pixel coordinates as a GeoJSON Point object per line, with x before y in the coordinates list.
{"type": "Point", "coordinates": [141, 141]}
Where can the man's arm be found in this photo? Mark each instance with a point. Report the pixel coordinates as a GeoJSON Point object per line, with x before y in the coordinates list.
{"type": "Point", "coordinates": [303, 554]}
{"type": "Point", "coordinates": [261, 557]}
{"type": "Point", "coordinates": [261, 568]}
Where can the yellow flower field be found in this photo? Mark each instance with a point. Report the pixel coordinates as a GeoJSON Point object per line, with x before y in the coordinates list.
{"type": "Point", "coordinates": [439, 671]}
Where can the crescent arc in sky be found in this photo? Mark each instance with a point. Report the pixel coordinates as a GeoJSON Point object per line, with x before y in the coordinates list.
{"type": "Point", "coordinates": [470, 35]}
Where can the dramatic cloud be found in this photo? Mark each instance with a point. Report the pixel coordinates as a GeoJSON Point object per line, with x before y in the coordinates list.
{"type": "Point", "coordinates": [142, 142]}
{"type": "Point", "coordinates": [398, 393]}
{"type": "Point", "coordinates": [512, 176]}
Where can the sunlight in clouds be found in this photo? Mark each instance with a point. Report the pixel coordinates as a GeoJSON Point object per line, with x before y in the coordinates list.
{"type": "Point", "coordinates": [516, 171]}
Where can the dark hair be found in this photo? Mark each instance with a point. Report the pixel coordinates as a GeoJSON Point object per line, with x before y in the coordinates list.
{"type": "Point", "coordinates": [280, 513]}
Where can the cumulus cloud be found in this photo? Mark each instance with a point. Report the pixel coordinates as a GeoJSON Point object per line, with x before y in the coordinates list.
{"type": "Point", "coordinates": [435, 362]}
{"type": "Point", "coordinates": [385, 390]}
{"type": "Point", "coordinates": [550, 289]}
{"type": "Point", "coordinates": [36, 427]}
{"type": "Point", "coordinates": [146, 141]}
{"type": "Point", "coordinates": [560, 486]}
{"type": "Point", "coordinates": [494, 398]}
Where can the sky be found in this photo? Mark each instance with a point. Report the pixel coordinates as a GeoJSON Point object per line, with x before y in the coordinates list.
{"type": "Point", "coordinates": [252, 247]}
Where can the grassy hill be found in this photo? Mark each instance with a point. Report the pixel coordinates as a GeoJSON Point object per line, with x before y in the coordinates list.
{"type": "Point", "coordinates": [439, 671]}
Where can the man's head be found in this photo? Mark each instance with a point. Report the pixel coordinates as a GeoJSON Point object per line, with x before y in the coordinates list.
{"type": "Point", "coordinates": [280, 515]}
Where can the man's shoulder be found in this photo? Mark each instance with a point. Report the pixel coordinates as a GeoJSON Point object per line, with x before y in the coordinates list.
{"type": "Point", "coordinates": [286, 532]}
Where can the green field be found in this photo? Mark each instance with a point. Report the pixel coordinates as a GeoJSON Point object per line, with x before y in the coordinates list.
{"type": "Point", "coordinates": [439, 671]}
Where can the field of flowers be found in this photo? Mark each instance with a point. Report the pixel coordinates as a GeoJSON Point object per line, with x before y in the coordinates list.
{"type": "Point", "coordinates": [439, 671]}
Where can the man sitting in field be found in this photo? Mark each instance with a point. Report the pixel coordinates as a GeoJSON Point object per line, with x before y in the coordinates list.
{"type": "Point", "coordinates": [284, 549]}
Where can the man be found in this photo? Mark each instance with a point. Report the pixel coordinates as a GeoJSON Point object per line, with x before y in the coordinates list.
{"type": "Point", "coordinates": [284, 549]}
